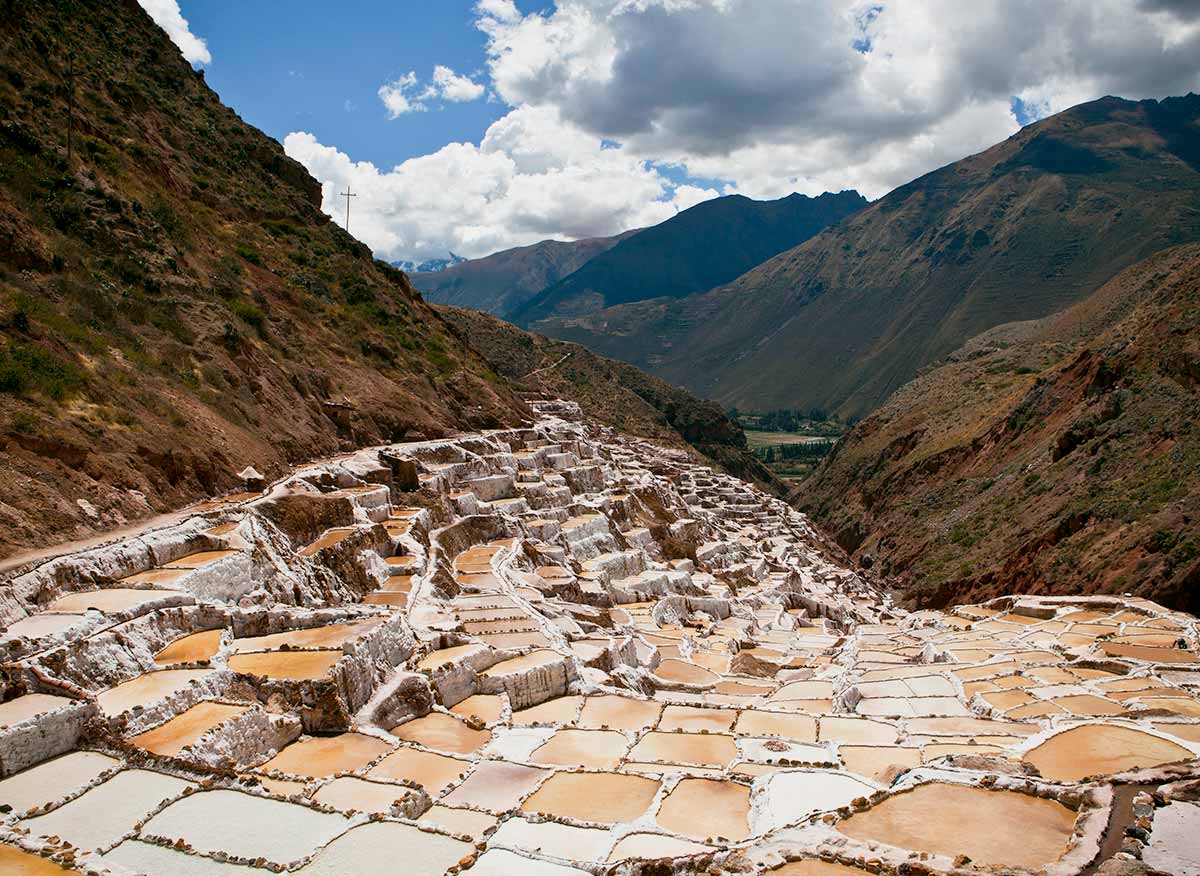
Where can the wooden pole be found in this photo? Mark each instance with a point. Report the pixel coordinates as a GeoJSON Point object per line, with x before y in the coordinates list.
{"type": "Point", "coordinates": [348, 195]}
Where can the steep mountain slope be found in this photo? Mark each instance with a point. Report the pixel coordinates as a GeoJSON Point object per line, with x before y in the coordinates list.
{"type": "Point", "coordinates": [702, 247]}
{"type": "Point", "coordinates": [1055, 456]}
{"type": "Point", "coordinates": [1017, 232]}
{"type": "Point", "coordinates": [613, 392]}
{"type": "Point", "coordinates": [173, 304]}
{"type": "Point", "coordinates": [502, 282]}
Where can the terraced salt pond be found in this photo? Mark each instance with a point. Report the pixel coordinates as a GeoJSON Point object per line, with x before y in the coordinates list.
{"type": "Point", "coordinates": [519, 676]}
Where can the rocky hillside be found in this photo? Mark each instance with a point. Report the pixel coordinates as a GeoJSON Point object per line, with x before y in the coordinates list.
{"type": "Point", "coordinates": [500, 283]}
{"type": "Point", "coordinates": [702, 247]}
{"type": "Point", "coordinates": [1017, 232]}
{"type": "Point", "coordinates": [612, 392]}
{"type": "Point", "coordinates": [173, 304]}
{"type": "Point", "coordinates": [1056, 456]}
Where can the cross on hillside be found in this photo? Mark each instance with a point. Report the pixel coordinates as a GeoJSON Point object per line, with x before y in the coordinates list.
{"type": "Point", "coordinates": [347, 195]}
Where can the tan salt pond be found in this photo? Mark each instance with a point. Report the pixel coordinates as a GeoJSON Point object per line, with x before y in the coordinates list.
{"type": "Point", "coordinates": [186, 729]}
{"type": "Point", "coordinates": [696, 719]}
{"type": "Point", "coordinates": [876, 761]}
{"type": "Point", "coordinates": [347, 793]}
{"type": "Point", "coordinates": [327, 540]}
{"type": "Point", "coordinates": [329, 636]}
{"type": "Point", "coordinates": [1000, 828]}
{"type": "Point", "coordinates": [519, 664]}
{"type": "Point", "coordinates": [195, 561]}
{"type": "Point", "coordinates": [496, 785]}
{"type": "Point", "coordinates": [560, 710]}
{"type": "Point", "coordinates": [446, 656]}
{"type": "Point", "coordinates": [706, 749]}
{"type": "Point", "coordinates": [856, 730]}
{"type": "Point", "coordinates": [54, 779]}
{"type": "Point", "coordinates": [193, 648]}
{"type": "Point", "coordinates": [433, 772]}
{"type": "Point", "coordinates": [514, 640]}
{"type": "Point", "coordinates": [467, 821]}
{"type": "Point", "coordinates": [685, 673]}
{"type": "Point", "coordinates": [597, 749]}
{"type": "Point", "coordinates": [286, 665]}
{"type": "Point", "coordinates": [30, 706]}
{"type": "Point", "coordinates": [649, 846]}
{"type": "Point", "coordinates": [619, 713]}
{"type": "Point", "coordinates": [1151, 654]}
{"type": "Point", "coordinates": [148, 688]}
{"type": "Point", "coordinates": [601, 797]}
{"type": "Point", "coordinates": [1188, 732]}
{"type": "Point", "coordinates": [801, 728]}
{"type": "Point", "coordinates": [320, 756]}
{"type": "Point", "coordinates": [14, 862]}
{"type": "Point", "coordinates": [444, 733]}
{"type": "Point", "coordinates": [1101, 749]}
{"type": "Point", "coordinates": [707, 808]}
{"type": "Point", "coordinates": [45, 624]}
{"type": "Point", "coordinates": [106, 601]}
{"type": "Point", "coordinates": [485, 707]}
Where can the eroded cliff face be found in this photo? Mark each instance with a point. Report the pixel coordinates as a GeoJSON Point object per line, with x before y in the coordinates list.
{"type": "Point", "coordinates": [173, 304]}
{"type": "Point", "coordinates": [1052, 457]}
{"type": "Point", "coordinates": [558, 650]}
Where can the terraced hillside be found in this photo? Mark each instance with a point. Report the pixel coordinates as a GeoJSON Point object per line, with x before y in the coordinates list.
{"type": "Point", "coordinates": [1055, 456]}
{"type": "Point", "coordinates": [552, 650]}
{"type": "Point", "coordinates": [173, 304]}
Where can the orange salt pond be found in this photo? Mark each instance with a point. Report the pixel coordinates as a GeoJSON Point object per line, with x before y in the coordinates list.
{"type": "Point", "coordinates": [321, 756]}
{"type": "Point", "coordinates": [328, 540]}
{"type": "Point", "coordinates": [147, 688]}
{"type": "Point", "coordinates": [195, 561]}
{"type": "Point", "coordinates": [1001, 828]}
{"type": "Point", "coordinates": [598, 749]}
{"type": "Point", "coordinates": [183, 730]}
{"type": "Point", "coordinates": [706, 749]}
{"type": "Point", "coordinates": [618, 713]}
{"type": "Point", "coordinates": [707, 808]}
{"type": "Point", "coordinates": [194, 648]}
{"type": "Point", "coordinates": [875, 762]}
{"type": "Point", "coordinates": [286, 665]}
{"type": "Point", "coordinates": [444, 733]}
{"type": "Point", "coordinates": [329, 636]}
{"type": "Point", "coordinates": [14, 862]}
{"type": "Point", "coordinates": [602, 797]}
{"type": "Point", "coordinates": [446, 656]}
{"type": "Point", "coordinates": [433, 772]}
{"type": "Point", "coordinates": [1099, 750]}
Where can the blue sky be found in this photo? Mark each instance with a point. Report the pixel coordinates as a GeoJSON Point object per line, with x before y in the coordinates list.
{"type": "Point", "coordinates": [478, 125]}
{"type": "Point", "coordinates": [287, 66]}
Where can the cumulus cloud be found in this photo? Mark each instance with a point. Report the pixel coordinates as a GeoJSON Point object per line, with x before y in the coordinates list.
{"type": "Point", "coordinates": [448, 85]}
{"type": "Point", "coordinates": [765, 96]}
{"type": "Point", "coordinates": [531, 177]}
{"type": "Point", "coordinates": [166, 15]}
{"type": "Point", "coordinates": [404, 94]}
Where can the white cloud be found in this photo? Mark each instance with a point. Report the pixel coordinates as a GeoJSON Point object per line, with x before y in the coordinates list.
{"type": "Point", "coordinates": [448, 85]}
{"type": "Point", "coordinates": [532, 177]}
{"type": "Point", "coordinates": [769, 96]}
{"type": "Point", "coordinates": [397, 97]}
{"type": "Point", "coordinates": [166, 15]}
{"type": "Point", "coordinates": [402, 96]}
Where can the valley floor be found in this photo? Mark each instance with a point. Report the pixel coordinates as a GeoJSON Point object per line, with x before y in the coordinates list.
{"type": "Point", "coordinates": [558, 651]}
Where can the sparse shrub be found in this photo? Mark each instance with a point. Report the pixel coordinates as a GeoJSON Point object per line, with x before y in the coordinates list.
{"type": "Point", "coordinates": [27, 368]}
